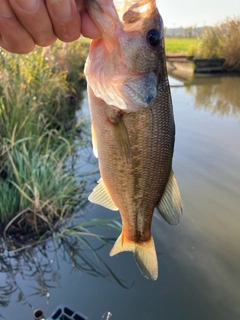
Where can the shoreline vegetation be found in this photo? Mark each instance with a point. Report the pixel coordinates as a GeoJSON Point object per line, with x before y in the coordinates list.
{"type": "Point", "coordinates": [39, 95]}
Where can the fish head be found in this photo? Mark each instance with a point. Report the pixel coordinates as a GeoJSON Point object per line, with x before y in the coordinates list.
{"type": "Point", "coordinates": [141, 41]}
{"type": "Point", "coordinates": [126, 65]}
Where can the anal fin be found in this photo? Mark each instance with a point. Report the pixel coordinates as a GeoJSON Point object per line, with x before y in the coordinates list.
{"type": "Point", "coordinates": [101, 196]}
{"type": "Point", "coordinates": [170, 205]}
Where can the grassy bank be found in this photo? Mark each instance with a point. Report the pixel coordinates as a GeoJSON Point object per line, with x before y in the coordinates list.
{"type": "Point", "coordinates": [179, 45]}
{"type": "Point", "coordinates": [39, 94]}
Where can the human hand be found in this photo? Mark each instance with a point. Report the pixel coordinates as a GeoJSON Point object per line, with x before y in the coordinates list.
{"type": "Point", "coordinates": [25, 23]}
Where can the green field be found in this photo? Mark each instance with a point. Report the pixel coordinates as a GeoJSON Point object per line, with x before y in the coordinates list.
{"type": "Point", "coordinates": [179, 45]}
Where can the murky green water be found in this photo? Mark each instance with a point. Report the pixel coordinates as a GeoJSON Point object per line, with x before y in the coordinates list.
{"type": "Point", "coordinates": [199, 260]}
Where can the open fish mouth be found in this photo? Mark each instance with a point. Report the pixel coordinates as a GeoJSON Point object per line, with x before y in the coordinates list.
{"type": "Point", "coordinates": [132, 10]}
{"type": "Point", "coordinates": [112, 17]}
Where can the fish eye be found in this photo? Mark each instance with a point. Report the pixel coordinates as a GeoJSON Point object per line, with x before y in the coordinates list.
{"type": "Point", "coordinates": [153, 37]}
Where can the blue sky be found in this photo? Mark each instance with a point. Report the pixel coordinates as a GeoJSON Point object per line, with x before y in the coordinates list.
{"type": "Point", "coordinates": [176, 13]}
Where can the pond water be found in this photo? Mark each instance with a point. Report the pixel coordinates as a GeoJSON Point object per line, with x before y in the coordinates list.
{"type": "Point", "coordinates": [199, 260]}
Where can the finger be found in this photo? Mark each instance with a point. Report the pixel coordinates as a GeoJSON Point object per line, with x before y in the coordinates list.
{"type": "Point", "coordinates": [14, 37]}
{"type": "Point", "coordinates": [34, 16]}
{"type": "Point", "coordinates": [89, 29]}
{"type": "Point", "coordinates": [65, 19]}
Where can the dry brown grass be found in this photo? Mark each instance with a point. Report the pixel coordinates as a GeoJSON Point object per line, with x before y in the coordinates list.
{"type": "Point", "coordinates": [221, 41]}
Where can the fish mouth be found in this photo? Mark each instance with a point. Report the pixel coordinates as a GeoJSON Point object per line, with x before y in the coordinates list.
{"type": "Point", "coordinates": [111, 16]}
{"type": "Point", "coordinates": [134, 10]}
{"type": "Point", "coordinates": [104, 14]}
{"type": "Point", "coordinates": [140, 91]}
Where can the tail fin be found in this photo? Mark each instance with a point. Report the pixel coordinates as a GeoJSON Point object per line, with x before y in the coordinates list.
{"type": "Point", "coordinates": [144, 253]}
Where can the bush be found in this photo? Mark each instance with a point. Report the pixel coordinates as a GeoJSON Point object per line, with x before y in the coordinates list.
{"type": "Point", "coordinates": [221, 41]}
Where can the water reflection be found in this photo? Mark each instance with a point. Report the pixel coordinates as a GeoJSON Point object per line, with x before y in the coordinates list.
{"type": "Point", "coordinates": [218, 94]}
{"type": "Point", "coordinates": [40, 266]}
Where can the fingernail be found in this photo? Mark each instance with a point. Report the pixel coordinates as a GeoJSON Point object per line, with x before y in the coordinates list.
{"type": "Point", "coordinates": [61, 8]}
{"type": "Point", "coordinates": [27, 5]}
{"type": "Point", "coordinates": [5, 9]}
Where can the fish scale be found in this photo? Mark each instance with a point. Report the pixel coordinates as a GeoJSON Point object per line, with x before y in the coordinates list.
{"type": "Point", "coordinates": [134, 139]}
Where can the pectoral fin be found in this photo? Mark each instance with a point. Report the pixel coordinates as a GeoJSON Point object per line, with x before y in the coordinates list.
{"type": "Point", "coordinates": [94, 141]}
{"type": "Point", "coordinates": [101, 196]}
{"type": "Point", "coordinates": [170, 205]}
{"type": "Point", "coordinates": [123, 141]}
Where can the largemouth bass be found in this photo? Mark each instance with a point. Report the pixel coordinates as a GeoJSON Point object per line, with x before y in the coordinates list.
{"type": "Point", "coordinates": [133, 128]}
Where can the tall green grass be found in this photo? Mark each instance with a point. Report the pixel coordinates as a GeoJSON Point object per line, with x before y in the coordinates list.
{"type": "Point", "coordinates": [39, 94]}
{"type": "Point", "coordinates": [38, 88]}
{"type": "Point", "coordinates": [221, 41]}
{"type": "Point", "coordinates": [35, 181]}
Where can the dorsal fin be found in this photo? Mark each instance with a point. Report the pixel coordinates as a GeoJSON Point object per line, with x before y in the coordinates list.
{"type": "Point", "coordinates": [170, 205]}
{"type": "Point", "coordinates": [101, 196]}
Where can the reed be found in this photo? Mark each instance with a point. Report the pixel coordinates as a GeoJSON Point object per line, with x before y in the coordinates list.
{"type": "Point", "coordinates": [39, 95]}
{"type": "Point", "coordinates": [35, 181]}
